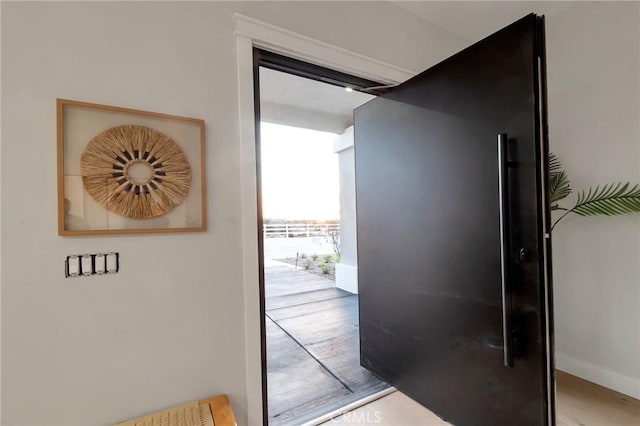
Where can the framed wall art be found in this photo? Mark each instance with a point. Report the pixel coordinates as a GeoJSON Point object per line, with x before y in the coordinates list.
{"type": "Point", "coordinates": [126, 171]}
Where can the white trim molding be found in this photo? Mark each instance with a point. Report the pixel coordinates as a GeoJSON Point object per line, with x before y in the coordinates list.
{"type": "Point", "coordinates": [249, 219]}
{"type": "Point", "coordinates": [251, 33]}
{"type": "Point", "coordinates": [298, 46]}
{"type": "Point", "coordinates": [607, 378]}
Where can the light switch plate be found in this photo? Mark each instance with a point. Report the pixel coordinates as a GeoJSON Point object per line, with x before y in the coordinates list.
{"type": "Point", "coordinates": [100, 266]}
{"type": "Point", "coordinates": [86, 264]}
{"type": "Point", "coordinates": [76, 265]}
{"type": "Point", "coordinates": [73, 266]}
{"type": "Point", "coordinates": [112, 263]}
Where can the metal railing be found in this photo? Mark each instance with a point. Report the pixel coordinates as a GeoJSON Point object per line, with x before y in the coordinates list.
{"type": "Point", "coordinates": [299, 230]}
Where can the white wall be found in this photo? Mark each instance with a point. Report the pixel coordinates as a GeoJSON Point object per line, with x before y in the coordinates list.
{"type": "Point", "coordinates": [594, 122]}
{"type": "Point", "coordinates": [169, 327]}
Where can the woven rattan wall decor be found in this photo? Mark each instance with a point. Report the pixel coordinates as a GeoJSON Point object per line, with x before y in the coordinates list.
{"type": "Point", "coordinates": [128, 171]}
{"type": "Point", "coordinates": [109, 163]}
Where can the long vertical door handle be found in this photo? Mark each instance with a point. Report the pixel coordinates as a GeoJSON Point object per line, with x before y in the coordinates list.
{"type": "Point", "coordinates": [505, 248]}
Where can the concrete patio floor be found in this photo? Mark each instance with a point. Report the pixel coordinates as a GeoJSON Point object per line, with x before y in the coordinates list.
{"type": "Point", "coordinates": [313, 357]}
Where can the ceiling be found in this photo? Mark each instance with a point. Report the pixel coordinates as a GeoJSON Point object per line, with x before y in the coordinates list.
{"type": "Point", "coordinates": [302, 102]}
{"type": "Point", "coordinates": [474, 20]}
{"type": "Point", "coordinates": [282, 88]}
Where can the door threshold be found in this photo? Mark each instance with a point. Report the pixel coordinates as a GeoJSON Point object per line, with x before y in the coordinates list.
{"type": "Point", "coordinates": [350, 407]}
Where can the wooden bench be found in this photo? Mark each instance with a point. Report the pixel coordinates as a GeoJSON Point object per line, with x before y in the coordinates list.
{"type": "Point", "coordinates": [214, 411]}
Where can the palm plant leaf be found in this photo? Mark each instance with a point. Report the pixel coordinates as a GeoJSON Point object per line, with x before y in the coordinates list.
{"type": "Point", "coordinates": [554, 163]}
{"type": "Point", "coordinates": [611, 200]}
{"type": "Point", "coordinates": [559, 186]}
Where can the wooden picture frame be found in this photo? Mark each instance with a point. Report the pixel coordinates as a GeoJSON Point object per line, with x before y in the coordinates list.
{"type": "Point", "coordinates": [128, 171]}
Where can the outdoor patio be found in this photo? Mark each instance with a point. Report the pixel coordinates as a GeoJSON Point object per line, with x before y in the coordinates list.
{"type": "Point", "coordinates": [313, 357]}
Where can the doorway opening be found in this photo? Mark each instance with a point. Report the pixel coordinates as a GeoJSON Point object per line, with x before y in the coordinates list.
{"type": "Point", "coordinates": [307, 239]}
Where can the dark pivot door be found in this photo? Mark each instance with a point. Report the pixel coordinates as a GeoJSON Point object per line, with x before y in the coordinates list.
{"type": "Point", "coordinates": [452, 222]}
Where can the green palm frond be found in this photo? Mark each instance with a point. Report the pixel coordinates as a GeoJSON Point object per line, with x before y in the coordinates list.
{"type": "Point", "coordinates": [554, 164]}
{"type": "Point", "coordinates": [559, 187]}
{"type": "Point", "coordinates": [612, 199]}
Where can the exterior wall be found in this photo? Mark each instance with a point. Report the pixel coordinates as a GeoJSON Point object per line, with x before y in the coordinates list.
{"type": "Point", "coordinates": [300, 117]}
{"type": "Point", "coordinates": [347, 269]}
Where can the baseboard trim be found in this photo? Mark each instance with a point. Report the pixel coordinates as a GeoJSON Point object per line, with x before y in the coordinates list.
{"type": "Point", "coordinates": [610, 379]}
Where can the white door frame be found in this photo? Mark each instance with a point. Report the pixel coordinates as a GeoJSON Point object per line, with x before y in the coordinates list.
{"type": "Point", "coordinates": [251, 33]}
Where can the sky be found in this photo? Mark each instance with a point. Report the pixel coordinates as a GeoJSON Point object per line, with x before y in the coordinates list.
{"type": "Point", "coordinates": [300, 174]}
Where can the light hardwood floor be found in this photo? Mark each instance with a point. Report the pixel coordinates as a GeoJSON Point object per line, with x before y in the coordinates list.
{"type": "Point", "coordinates": [579, 403]}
